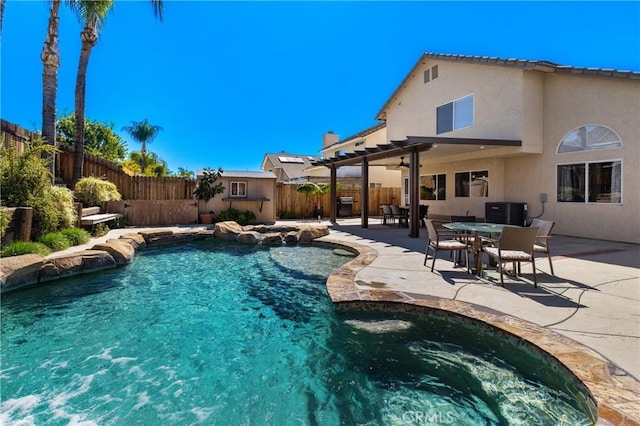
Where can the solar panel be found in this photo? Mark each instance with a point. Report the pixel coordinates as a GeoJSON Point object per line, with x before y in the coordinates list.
{"type": "Point", "coordinates": [291, 160]}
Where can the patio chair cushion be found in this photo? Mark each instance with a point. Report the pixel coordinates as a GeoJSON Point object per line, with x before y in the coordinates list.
{"type": "Point", "coordinates": [450, 245]}
{"type": "Point", "coordinates": [540, 248]}
{"type": "Point", "coordinates": [508, 254]}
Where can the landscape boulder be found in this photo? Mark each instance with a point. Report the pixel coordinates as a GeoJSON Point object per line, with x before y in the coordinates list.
{"type": "Point", "coordinates": [121, 250]}
{"type": "Point", "coordinates": [19, 271]}
{"type": "Point", "coordinates": [309, 233]}
{"type": "Point", "coordinates": [228, 230]}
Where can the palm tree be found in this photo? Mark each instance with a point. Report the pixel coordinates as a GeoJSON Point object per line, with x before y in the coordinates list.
{"type": "Point", "coordinates": [93, 14]}
{"type": "Point", "coordinates": [51, 62]}
{"type": "Point", "coordinates": [2, 3]}
{"type": "Point", "coordinates": [312, 188]}
{"type": "Point", "coordinates": [143, 132]}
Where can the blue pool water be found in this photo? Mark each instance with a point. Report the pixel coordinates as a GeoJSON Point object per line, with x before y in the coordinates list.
{"type": "Point", "coordinates": [221, 333]}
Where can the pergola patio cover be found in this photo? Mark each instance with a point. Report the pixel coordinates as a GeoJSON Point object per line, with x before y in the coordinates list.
{"type": "Point", "coordinates": [412, 145]}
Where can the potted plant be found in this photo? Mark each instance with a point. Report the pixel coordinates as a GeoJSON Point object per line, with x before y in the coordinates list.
{"type": "Point", "coordinates": [206, 189]}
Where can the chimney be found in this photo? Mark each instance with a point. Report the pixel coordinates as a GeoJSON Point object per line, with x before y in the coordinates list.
{"type": "Point", "coordinates": [328, 139]}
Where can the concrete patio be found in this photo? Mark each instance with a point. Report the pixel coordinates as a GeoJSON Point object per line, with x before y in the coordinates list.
{"type": "Point", "coordinates": [594, 298]}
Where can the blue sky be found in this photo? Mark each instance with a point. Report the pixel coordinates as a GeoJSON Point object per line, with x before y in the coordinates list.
{"type": "Point", "coordinates": [231, 81]}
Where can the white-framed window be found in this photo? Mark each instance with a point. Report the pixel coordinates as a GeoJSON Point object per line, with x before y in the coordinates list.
{"type": "Point", "coordinates": [433, 187]}
{"type": "Point", "coordinates": [238, 189]}
{"type": "Point", "coordinates": [472, 184]}
{"type": "Point", "coordinates": [590, 182]}
{"type": "Point", "coordinates": [592, 137]}
{"type": "Point", "coordinates": [455, 115]}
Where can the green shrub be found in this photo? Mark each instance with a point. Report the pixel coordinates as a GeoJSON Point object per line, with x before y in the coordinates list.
{"type": "Point", "coordinates": [284, 214]}
{"type": "Point", "coordinates": [5, 218]}
{"type": "Point", "coordinates": [76, 236]}
{"type": "Point", "coordinates": [93, 191]}
{"type": "Point", "coordinates": [120, 222]}
{"type": "Point", "coordinates": [25, 175]}
{"type": "Point", "coordinates": [100, 229]}
{"type": "Point", "coordinates": [25, 180]}
{"type": "Point", "coordinates": [18, 248]}
{"type": "Point", "coordinates": [63, 200]}
{"type": "Point", "coordinates": [46, 216]}
{"type": "Point", "coordinates": [56, 241]}
{"type": "Point", "coordinates": [243, 218]}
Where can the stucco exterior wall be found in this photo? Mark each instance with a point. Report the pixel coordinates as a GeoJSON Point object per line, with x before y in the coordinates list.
{"type": "Point", "coordinates": [256, 188]}
{"type": "Point", "coordinates": [574, 101]}
{"type": "Point", "coordinates": [387, 178]}
{"type": "Point", "coordinates": [498, 101]}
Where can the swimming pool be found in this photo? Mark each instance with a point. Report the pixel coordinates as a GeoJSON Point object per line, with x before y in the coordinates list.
{"type": "Point", "coordinates": [223, 333]}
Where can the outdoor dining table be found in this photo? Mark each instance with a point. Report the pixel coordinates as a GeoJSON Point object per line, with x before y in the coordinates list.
{"type": "Point", "coordinates": [492, 230]}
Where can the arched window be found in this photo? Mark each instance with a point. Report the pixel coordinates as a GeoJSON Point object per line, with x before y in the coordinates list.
{"type": "Point", "coordinates": [591, 137]}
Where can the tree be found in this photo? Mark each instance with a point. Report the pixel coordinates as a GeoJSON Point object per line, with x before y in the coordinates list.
{"type": "Point", "coordinates": [93, 14]}
{"type": "Point", "coordinates": [50, 56]}
{"type": "Point", "coordinates": [155, 166]}
{"type": "Point", "coordinates": [99, 137]}
{"type": "Point", "coordinates": [208, 187]}
{"type": "Point", "coordinates": [144, 133]}
{"type": "Point", "coordinates": [184, 173]}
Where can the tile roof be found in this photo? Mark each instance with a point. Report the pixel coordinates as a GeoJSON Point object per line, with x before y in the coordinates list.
{"type": "Point", "coordinates": [360, 134]}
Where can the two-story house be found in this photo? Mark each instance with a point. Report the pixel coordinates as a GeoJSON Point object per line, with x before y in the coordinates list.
{"type": "Point", "coordinates": [564, 140]}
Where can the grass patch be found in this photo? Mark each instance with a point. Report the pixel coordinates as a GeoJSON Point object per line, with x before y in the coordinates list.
{"type": "Point", "coordinates": [17, 248]}
{"type": "Point", "coordinates": [76, 236]}
{"type": "Point", "coordinates": [55, 241]}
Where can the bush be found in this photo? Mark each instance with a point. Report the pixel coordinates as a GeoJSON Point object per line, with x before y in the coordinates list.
{"type": "Point", "coordinates": [287, 215]}
{"type": "Point", "coordinates": [120, 222]}
{"type": "Point", "coordinates": [76, 236]}
{"type": "Point", "coordinates": [55, 241]}
{"type": "Point", "coordinates": [5, 218]}
{"type": "Point", "coordinates": [243, 218]}
{"type": "Point", "coordinates": [100, 229]}
{"type": "Point", "coordinates": [25, 180]}
{"type": "Point", "coordinates": [93, 191]}
{"type": "Point", "coordinates": [63, 200]}
{"type": "Point", "coordinates": [18, 248]}
{"type": "Point", "coordinates": [26, 175]}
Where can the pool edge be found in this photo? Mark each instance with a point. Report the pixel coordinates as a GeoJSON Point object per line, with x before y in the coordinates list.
{"type": "Point", "coordinates": [615, 396]}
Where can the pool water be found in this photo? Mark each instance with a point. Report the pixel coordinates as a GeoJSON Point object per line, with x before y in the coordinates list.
{"type": "Point", "coordinates": [222, 333]}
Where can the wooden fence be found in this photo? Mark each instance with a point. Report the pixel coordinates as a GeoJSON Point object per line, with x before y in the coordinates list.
{"type": "Point", "coordinates": [155, 212]}
{"type": "Point", "coordinates": [136, 189]}
{"type": "Point", "coordinates": [130, 187]}
{"type": "Point", "coordinates": [291, 203]}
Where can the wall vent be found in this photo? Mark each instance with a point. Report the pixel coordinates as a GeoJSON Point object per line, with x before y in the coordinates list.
{"type": "Point", "coordinates": [434, 72]}
{"type": "Point", "coordinates": [427, 76]}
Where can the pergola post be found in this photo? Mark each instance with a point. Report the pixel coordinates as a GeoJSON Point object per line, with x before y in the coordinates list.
{"type": "Point", "coordinates": [364, 211]}
{"type": "Point", "coordinates": [414, 194]}
{"type": "Point", "coordinates": [333, 201]}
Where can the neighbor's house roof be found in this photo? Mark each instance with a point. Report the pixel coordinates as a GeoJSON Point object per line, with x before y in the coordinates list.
{"type": "Point", "coordinates": [543, 66]}
{"type": "Point", "coordinates": [245, 175]}
{"type": "Point", "coordinates": [248, 175]}
{"type": "Point", "coordinates": [288, 166]}
{"type": "Point", "coordinates": [359, 135]}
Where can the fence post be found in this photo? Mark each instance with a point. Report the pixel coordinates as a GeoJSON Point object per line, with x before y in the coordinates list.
{"type": "Point", "coordinates": [23, 219]}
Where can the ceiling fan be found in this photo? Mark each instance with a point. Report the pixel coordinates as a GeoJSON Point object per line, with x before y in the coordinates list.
{"type": "Point", "coordinates": [402, 163]}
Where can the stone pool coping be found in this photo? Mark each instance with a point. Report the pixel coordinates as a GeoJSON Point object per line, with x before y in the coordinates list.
{"type": "Point", "coordinates": [616, 397]}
